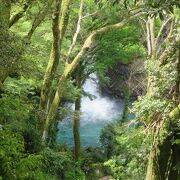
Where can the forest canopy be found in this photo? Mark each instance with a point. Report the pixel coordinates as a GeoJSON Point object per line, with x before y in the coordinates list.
{"type": "Point", "coordinates": [57, 56]}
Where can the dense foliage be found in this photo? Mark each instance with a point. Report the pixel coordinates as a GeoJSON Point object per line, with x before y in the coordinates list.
{"type": "Point", "coordinates": [47, 51]}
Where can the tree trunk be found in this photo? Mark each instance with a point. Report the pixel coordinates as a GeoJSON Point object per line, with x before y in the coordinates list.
{"type": "Point", "coordinates": [54, 58]}
{"type": "Point", "coordinates": [152, 169]}
{"type": "Point", "coordinates": [159, 162]}
{"type": "Point", "coordinates": [76, 125]}
{"type": "Point", "coordinates": [54, 106]}
{"type": "Point", "coordinates": [64, 18]}
{"type": "Point", "coordinates": [53, 62]}
{"type": "Point", "coordinates": [150, 28]}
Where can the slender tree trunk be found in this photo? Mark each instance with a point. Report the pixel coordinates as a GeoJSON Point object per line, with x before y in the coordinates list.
{"type": "Point", "coordinates": [152, 35]}
{"type": "Point", "coordinates": [65, 18]}
{"type": "Point", "coordinates": [53, 62]}
{"type": "Point", "coordinates": [152, 173]}
{"type": "Point", "coordinates": [76, 129]}
{"type": "Point", "coordinates": [76, 125]}
{"type": "Point", "coordinates": [54, 106]}
{"type": "Point", "coordinates": [161, 162]}
{"type": "Point", "coordinates": [150, 28]}
{"type": "Point", "coordinates": [54, 58]}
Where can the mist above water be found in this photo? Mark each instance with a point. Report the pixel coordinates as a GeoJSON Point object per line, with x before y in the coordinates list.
{"type": "Point", "coordinates": [95, 114]}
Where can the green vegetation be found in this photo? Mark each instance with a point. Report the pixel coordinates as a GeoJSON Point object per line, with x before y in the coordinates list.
{"type": "Point", "coordinates": [49, 48]}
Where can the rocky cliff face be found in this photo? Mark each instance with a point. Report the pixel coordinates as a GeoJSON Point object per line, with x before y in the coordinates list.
{"type": "Point", "coordinates": [122, 76]}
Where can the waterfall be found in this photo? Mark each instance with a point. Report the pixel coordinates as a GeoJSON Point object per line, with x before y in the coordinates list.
{"type": "Point", "coordinates": [95, 114]}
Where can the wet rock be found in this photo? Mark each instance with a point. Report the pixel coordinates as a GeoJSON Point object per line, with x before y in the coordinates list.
{"type": "Point", "coordinates": [122, 76]}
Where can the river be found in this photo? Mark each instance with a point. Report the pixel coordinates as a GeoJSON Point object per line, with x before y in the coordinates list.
{"type": "Point", "coordinates": [95, 114]}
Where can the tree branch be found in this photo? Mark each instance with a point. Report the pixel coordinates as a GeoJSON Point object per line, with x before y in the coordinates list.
{"type": "Point", "coordinates": [64, 18]}
{"type": "Point", "coordinates": [148, 38]}
{"type": "Point", "coordinates": [161, 30]}
{"type": "Point", "coordinates": [15, 18]}
{"type": "Point", "coordinates": [53, 62]}
{"type": "Point", "coordinates": [39, 18]}
{"type": "Point", "coordinates": [167, 38]}
{"type": "Point", "coordinates": [76, 33]}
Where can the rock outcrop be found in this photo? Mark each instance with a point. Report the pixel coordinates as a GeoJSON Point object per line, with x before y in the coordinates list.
{"type": "Point", "coordinates": [122, 76]}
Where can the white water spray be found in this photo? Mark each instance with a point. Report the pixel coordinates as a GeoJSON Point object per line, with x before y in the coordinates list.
{"type": "Point", "coordinates": [95, 114]}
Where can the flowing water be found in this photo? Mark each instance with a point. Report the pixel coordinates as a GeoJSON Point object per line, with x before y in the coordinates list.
{"type": "Point", "coordinates": [95, 114]}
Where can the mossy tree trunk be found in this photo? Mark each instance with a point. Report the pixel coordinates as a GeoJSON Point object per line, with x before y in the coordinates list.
{"type": "Point", "coordinates": [65, 18]}
{"type": "Point", "coordinates": [58, 34]}
{"type": "Point", "coordinates": [76, 125]}
{"type": "Point", "coordinates": [160, 158]}
{"type": "Point", "coordinates": [152, 173]}
{"type": "Point", "coordinates": [54, 56]}
{"type": "Point", "coordinates": [54, 105]}
{"type": "Point", "coordinates": [76, 129]}
{"type": "Point", "coordinates": [53, 62]}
